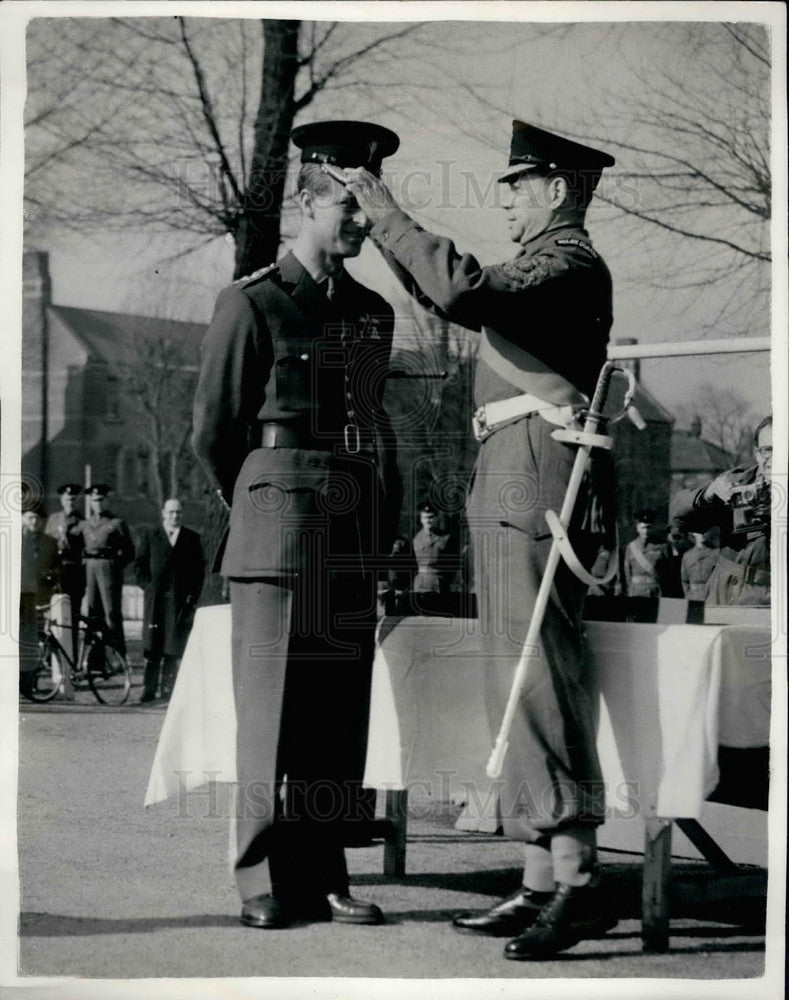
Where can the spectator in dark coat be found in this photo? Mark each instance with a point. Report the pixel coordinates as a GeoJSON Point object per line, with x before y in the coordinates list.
{"type": "Point", "coordinates": [169, 566]}
{"type": "Point", "coordinates": [39, 577]}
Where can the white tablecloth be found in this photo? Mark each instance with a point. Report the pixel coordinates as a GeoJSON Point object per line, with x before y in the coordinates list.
{"type": "Point", "coordinates": [669, 695]}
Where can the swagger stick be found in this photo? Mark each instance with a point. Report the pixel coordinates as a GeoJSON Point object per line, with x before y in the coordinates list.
{"type": "Point", "coordinates": [586, 440]}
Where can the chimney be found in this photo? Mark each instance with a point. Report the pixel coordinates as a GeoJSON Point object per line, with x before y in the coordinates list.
{"type": "Point", "coordinates": [635, 364]}
{"type": "Point", "coordinates": [695, 427]}
{"type": "Point", "coordinates": [36, 300]}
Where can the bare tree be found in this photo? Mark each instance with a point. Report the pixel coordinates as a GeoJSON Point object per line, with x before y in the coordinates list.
{"type": "Point", "coordinates": [184, 124]}
{"type": "Point", "coordinates": [726, 420]}
{"type": "Point", "coordinates": [157, 379]}
{"type": "Point", "coordinates": [693, 149]}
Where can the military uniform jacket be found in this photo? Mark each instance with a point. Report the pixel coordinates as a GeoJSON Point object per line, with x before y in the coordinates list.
{"type": "Point", "coordinates": [64, 528]}
{"type": "Point", "coordinates": [639, 565]}
{"type": "Point", "coordinates": [106, 536]}
{"type": "Point", "coordinates": [277, 350]}
{"type": "Point", "coordinates": [697, 567]}
{"type": "Point", "coordinates": [431, 550]}
{"type": "Point", "coordinates": [553, 301]}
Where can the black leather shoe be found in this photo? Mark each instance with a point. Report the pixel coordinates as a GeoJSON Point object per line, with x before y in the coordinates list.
{"type": "Point", "coordinates": [263, 911]}
{"type": "Point", "coordinates": [146, 697]}
{"type": "Point", "coordinates": [511, 916]}
{"type": "Point", "coordinates": [345, 910]}
{"type": "Point", "coordinates": [574, 914]}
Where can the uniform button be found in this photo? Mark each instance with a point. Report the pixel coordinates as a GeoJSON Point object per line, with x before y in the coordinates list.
{"type": "Point", "coordinates": [351, 414]}
{"type": "Point", "coordinates": [349, 395]}
{"type": "Point", "coordinates": [305, 357]}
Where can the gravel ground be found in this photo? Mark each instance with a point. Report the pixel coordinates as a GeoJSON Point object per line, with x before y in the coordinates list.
{"type": "Point", "coordinates": [110, 890]}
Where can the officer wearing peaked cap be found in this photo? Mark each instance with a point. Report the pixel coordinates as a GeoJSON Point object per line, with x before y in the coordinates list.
{"type": "Point", "coordinates": [107, 549]}
{"type": "Point", "coordinates": [290, 427]}
{"type": "Point", "coordinates": [62, 525]}
{"type": "Point", "coordinates": [544, 317]}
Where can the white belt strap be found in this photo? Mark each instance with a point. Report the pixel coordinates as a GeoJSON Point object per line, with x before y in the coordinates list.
{"type": "Point", "coordinates": [492, 415]}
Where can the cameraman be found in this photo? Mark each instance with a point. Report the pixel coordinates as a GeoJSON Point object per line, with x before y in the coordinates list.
{"type": "Point", "coordinates": [738, 502]}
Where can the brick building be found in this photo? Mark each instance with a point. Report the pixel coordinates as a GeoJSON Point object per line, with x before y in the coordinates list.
{"type": "Point", "coordinates": [81, 418]}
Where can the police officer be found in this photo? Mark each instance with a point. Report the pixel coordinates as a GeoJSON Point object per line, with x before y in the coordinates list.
{"type": "Point", "coordinates": [738, 503]}
{"type": "Point", "coordinates": [641, 557]}
{"type": "Point", "coordinates": [62, 526]}
{"type": "Point", "coordinates": [290, 427]}
{"type": "Point", "coordinates": [431, 551]}
{"type": "Point", "coordinates": [107, 549]}
{"type": "Point", "coordinates": [545, 317]}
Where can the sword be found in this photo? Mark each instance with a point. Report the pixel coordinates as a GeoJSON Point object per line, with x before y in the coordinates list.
{"type": "Point", "coordinates": [586, 439]}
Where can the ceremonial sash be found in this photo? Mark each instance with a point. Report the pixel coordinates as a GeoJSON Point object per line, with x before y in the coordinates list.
{"type": "Point", "coordinates": [522, 369]}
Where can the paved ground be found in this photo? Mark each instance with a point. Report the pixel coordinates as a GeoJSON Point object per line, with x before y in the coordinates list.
{"type": "Point", "coordinates": [109, 890]}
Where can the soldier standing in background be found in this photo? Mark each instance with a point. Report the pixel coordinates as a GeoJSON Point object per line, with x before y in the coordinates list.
{"type": "Point", "coordinates": [62, 526]}
{"type": "Point", "coordinates": [698, 564]}
{"type": "Point", "coordinates": [432, 550]}
{"type": "Point", "coordinates": [545, 317]}
{"type": "Point", "coordinates": [107, 549]}
{"type": "Point", "coordinates": [641, 556]}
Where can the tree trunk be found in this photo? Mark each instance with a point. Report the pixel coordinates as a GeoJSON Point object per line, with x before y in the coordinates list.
{"type": "Point", "coordinates": [257, 242]}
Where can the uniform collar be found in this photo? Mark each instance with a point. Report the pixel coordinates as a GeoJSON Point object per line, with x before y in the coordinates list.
{"type": "Point", "coordinates": [308, 295]}
{"type": "Point", "coordinates": [575, 224]}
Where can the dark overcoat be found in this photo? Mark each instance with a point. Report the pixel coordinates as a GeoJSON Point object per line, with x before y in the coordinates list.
{"type": "Point", "coordinates": [171, 577]}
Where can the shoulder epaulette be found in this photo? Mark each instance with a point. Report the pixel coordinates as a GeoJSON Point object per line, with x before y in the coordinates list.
{"type": "Point", "coordinates": [256, 276]}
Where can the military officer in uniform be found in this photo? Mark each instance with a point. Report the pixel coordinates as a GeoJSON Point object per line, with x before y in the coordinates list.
{"type": "Point", "coordinates": [641, 557]}
{"type": "Point", "coordinates": [62, 525]}
{"type": "Point", "coordinates": [290, 427]}
{"type": "Point", "coordinates": [431, 551]}
{"type": "Point", "coordinates": [107, 549]}
{"type": "Point", "coordinates": [698, 564]}
{"type": "Point", "coordinates": [545, 317]}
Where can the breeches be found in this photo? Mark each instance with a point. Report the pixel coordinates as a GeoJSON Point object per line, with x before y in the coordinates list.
{"type": "Point", "coordinates": [551, 775]}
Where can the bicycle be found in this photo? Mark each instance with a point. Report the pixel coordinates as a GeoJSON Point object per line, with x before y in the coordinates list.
{"type": "Point", "coordinates": [100, 665]}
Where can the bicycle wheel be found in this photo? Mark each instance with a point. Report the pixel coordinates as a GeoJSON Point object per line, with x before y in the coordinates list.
{"type": "Point", "coordinates": [43, 683]}
{"type": "Point", "coordinates": [109, 676]}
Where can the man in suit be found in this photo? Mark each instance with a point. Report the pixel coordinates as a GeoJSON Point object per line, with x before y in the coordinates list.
{"type": "Point", "coordinates": [107, 549]}
{"type": "Point", "coordinates": [169, 567]}
{"type": "Point", "coordinates": [290, 427]}
{"type": "Point", "coordinates": [62, 526]}
{"type": "Point", "coordinates": [544, 318]}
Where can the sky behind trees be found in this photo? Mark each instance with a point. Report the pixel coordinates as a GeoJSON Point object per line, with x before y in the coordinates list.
{"type": "Point", "coordinates": [683, 106]}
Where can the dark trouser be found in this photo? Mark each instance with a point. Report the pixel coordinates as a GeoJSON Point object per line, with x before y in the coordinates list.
{"type": "Point", "coordinates": [104, 586]}
{"type": "Point", "coordinates": [302, 663]}
{"type": "Point", "coordinates": [551, 793]}
{"type": "Point", "coordinates": [73, 583]}
{"type": "Point", "coordinates": [162, 666]}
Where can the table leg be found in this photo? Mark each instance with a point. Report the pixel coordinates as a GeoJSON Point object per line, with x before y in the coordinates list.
{"type": "Point", "coordinates": [654, 891]}
{"type": "Point", "coordinates": [395, 836]}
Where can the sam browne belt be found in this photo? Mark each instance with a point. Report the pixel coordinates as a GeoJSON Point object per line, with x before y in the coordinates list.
{"type": "Point", "coordinates": [491, 416]}
{"type": "Point", "coordinates": [353, 439]}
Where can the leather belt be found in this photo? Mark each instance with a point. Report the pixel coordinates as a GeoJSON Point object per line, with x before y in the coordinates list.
{"type": "Point", "coordinates": [491, 416]}
{"type": "Point", "coordinates": [100, 554]}
{"type": "Point", "coordinates": [353, 441]}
